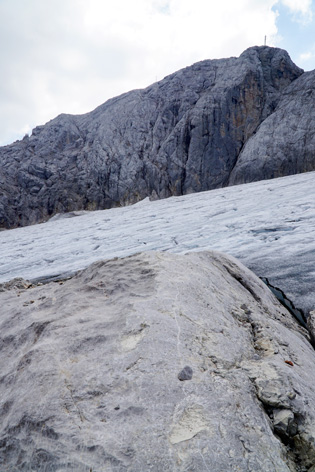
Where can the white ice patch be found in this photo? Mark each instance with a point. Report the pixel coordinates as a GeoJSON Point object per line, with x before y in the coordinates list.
{"type": "Point", "coordinates": [269, 225]}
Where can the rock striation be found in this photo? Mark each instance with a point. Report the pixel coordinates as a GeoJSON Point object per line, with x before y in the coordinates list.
{"type": "Point", "coordinates": [154, 362]}
{"type": "Point", "coordinates": [187, 133]}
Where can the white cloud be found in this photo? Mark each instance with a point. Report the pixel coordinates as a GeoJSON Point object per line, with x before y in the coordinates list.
{"type": "Point", "coordinates": [301, 6]}
{"type": "Point", "coordinates": [308, 56]}
{"type": "Point", "coordinates": [305, 56]}
{"type": "Point", "coordinates": [71, 55]}
{"type": "Point", "coordinates": [302, 9]}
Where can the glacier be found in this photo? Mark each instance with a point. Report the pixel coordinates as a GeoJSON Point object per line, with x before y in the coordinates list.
{"type": "Point", "coordinates": [268, 225]}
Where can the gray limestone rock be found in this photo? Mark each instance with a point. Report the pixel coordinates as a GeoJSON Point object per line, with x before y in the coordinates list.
{"type": "Point", "coordinates": [284, 143]}
{"type": "Point", "coordinates": [181, 135]}
{"type": "Point", "coordinates": [18, 283]}
{"type": "Point", "coordinates": [186, 373]}
{"type": "Point", "coordinates": [89, 371]}
{"type": "Point", "coordinates": [283, 422]}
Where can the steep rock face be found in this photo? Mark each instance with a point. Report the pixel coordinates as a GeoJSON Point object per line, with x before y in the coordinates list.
{"type": "Point", "coordinates": [285, 142]}
{"type": "Point", "coordinates": [180, 135]}
{"type": "Point", "coordinates": [154, 362]}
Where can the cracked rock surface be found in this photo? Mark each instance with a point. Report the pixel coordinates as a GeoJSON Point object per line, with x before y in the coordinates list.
{"type": "Point", "coordinates": [90, 371]}
{"type": "Point", "coordinates": [181, 135]}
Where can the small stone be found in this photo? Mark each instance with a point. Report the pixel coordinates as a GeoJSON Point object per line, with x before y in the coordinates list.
{"type": "Point", "coordinates": [291, 395]}
{"type": "Point", "coordinates": [282, 419]}
{"type": "Point", "coordinates": [186, 373]}
{"type": "Point", "coordinates": [270, 393]}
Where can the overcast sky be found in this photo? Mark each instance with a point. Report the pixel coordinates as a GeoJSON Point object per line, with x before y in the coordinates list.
{"type": "Point", "coordinates": [69, 56]}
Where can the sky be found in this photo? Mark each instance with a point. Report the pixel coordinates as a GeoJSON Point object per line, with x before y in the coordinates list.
{"type": "Point", "coordinates": [69, 56]}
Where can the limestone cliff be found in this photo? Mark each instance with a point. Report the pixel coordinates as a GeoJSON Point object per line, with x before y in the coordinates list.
{"type": "Point", "coordinates": [183, 134]}
{"type": "Point", "coordinates": [284, 143]}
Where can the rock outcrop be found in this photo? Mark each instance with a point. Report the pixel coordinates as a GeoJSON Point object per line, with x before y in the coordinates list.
{"type": "Point", "coordinates": [284, 143]}
{"type": "Point", "coordinates": [154, 362]}
{"type": "Point", "coordinates": [183, 134]}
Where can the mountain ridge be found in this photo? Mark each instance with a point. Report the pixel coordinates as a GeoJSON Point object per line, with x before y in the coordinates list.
{"type": "Point", "coordinates": [181, 135]}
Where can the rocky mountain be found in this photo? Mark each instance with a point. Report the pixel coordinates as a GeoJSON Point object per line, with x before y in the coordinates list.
{"type": "Point", "coordinates": [216, 123]}
{"type": "Point", "coordinates": [154, 362]}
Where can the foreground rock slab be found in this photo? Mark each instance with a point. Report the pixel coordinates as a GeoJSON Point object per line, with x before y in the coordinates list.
{"type": "Point", "coordinates": [154, 362]}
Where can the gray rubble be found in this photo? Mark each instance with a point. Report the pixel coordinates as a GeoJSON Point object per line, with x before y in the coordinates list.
{"type": "Point", "coordinates": [154, 362]}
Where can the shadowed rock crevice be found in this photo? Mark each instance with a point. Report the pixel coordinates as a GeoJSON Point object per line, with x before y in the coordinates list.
{"type": "Point", "coordinates": [243, 282]}
{"type": "Point", "coordinates": [286, 302]}
{"type": "Point", "coordinates": [279, 401]}
{"type": "Point", "coordinates": [288, 425]}
{"type": "Point", "coordinates": [311, 326]}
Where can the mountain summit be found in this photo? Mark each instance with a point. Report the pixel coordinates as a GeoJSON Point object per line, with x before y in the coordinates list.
{"type": "Point", "coordinates": [213, 124]}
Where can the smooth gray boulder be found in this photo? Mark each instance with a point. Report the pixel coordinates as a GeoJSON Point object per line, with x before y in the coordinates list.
{"type": "Point", "coordinates": [180, 135]}
{"type": "Point", "coordinates": [90, 371]}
